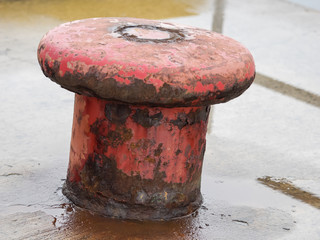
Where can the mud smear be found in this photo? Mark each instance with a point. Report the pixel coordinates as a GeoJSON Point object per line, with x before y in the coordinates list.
{"type": "Point", "coordinates": [289, 189]}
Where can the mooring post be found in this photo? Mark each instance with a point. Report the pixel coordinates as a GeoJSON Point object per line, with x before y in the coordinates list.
{"type": "Point", "coordinates": [143, 95]}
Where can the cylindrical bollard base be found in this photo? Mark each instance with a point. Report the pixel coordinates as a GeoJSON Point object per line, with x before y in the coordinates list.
{"type": "Point", "coordinates": [136, 162]}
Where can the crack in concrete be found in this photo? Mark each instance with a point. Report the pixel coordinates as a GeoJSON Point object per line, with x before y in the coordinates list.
{"type": "Point", "coordinates": [10, 174]}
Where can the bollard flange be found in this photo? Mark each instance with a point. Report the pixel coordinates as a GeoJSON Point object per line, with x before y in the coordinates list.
{"type": "Point", "coordinates": [143, 95]}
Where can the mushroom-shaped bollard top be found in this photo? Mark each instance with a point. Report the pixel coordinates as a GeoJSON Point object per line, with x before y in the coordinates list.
{"type": "Point", "coordinates": [143, 90]}
{"type": "Point", "coordinates": [146, 62]}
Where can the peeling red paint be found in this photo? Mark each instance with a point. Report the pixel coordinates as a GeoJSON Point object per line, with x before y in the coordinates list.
{"type": "Point", "coordinates": [156, 82]}
{"type": "Point", "coordinates": [122, 80]}
{"type": "Point", "coordinates": [220, 86]}
{"type": "Point", "coordinates": [200, 88]}
{"type": "Point", "coordinates": [203, 88]}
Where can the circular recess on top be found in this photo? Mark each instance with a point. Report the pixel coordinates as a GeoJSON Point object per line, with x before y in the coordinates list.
{"type": "Point", "coordinates": [149, 33]}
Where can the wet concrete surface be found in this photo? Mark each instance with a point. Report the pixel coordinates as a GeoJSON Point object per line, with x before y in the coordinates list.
{"type": "Point", "coordinates": [216, 219]}
{"type": "Point", "coordinates": [261, 173]}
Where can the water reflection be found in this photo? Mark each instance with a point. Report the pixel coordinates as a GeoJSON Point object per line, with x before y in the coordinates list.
{"type": "Point", "coordinates": [81, 224]}
{"type": "Point", "coordinates": [216, 219]}
{"type": "Point", "coordinates": [222, 216]}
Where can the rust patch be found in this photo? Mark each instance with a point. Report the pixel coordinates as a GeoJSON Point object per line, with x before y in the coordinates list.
{"type": "Point", "coordinates": [142, 144]}
{"type": "Point", "coordinates": [40, 48]}
{"type": "Point", "coordinates": [150, 159]}
{"type": "Point", "coordinates": [159, 150]}
{"type": "Point", "coordinates": [118, 137]}
{"type": "Point", "coordinates": [50, 71]}
{"type": "Point", "coordinates": [107, 137]}
{"type": "Point", "coordinates": [178, 152]}
{"type": "Point", "coordinates": [167, 96]}
{"type": "Point", "coordinates": [146, 120]}
{"type": "Point", "coordinates": [117, 113]}
{"type": "Point", "coordinates": [191, 118]}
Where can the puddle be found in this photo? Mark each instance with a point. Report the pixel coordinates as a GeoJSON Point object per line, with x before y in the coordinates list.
{"type": "Point", "coordinates": [222, 209]}
{"type": "Point", "coordinates": [74, 9]}
{"type": "Point", "coordinates": [204, 224]}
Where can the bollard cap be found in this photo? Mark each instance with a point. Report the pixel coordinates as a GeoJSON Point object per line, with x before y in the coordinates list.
{"type": "Point", "coordinates": [147, 62]}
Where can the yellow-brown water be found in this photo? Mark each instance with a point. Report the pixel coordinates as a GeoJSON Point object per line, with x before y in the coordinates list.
{"type": "Point", "coordinates": [69, 10]}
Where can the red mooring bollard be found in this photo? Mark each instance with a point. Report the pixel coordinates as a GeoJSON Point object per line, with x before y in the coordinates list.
{"type": "Point", "coordinates": [143, 94]}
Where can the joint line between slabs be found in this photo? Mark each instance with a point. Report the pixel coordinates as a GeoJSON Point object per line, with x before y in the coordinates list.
{"type": "Point", "coordinates": [287, 89]}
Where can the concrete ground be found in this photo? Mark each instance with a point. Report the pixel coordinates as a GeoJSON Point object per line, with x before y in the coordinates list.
{"type": "Point", "coordinates": [261, 178]}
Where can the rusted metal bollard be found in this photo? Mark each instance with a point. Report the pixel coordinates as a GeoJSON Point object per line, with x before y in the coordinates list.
{"type": "Point", "coordinates": [143, 94]}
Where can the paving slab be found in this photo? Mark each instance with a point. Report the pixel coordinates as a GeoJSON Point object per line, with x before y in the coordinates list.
{"type": "Point", "coordinates": [283, 38]}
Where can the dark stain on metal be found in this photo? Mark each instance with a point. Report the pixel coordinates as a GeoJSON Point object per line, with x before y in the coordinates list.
{"type": "Point", "coordinates": [168, 95]}
{"type": "Point", "coordinates": [48, 71]}
{"type": "Point", "coordinates": [146, 120]}
{"type": "Point", "coordinates": [40, 48]}
{"type": "Point", "coordinates": [191, 118]}
{"type": "Point", "coordinates": [178, 152]}
{"type": "Point", "coordinates": [117, 113]}
{"type": "Point", "coordinates": [118, 137]}
{"type": "Point", "coordinates": [112, 89]}
{"type": "Point", "coordinates": [111, 138]}
{"type": "Point", "coordinates": [289, 189]}
{"type": "Point", "coordinates": [159, 150]}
